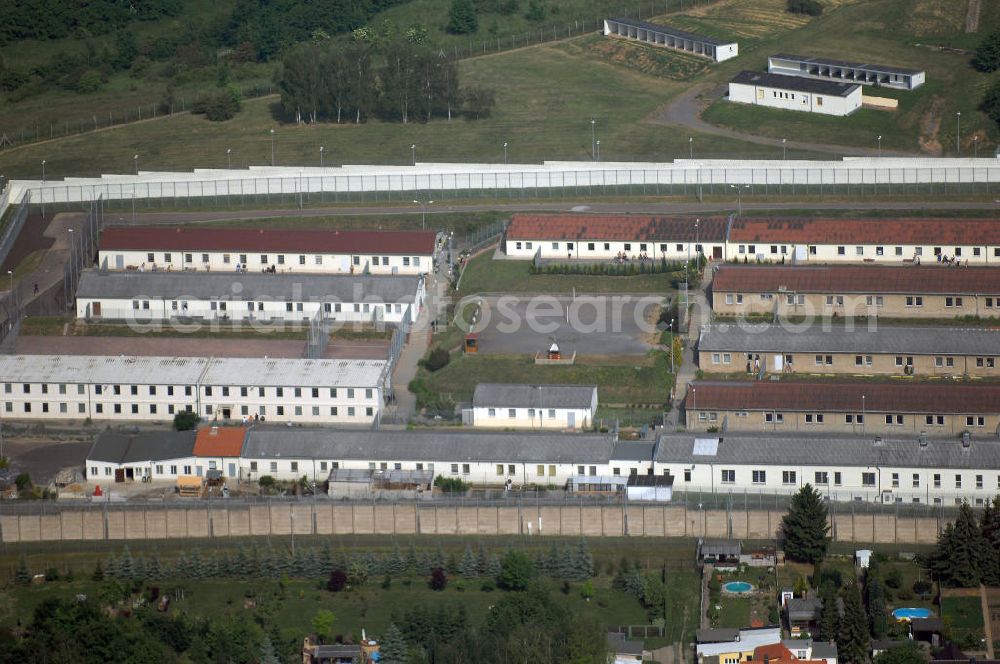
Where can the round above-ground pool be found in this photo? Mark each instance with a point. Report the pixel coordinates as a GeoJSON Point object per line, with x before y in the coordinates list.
{"type": "Point", "coordinates": [737, 587]}
{"type": "Point", "coordinates": [911, 613]}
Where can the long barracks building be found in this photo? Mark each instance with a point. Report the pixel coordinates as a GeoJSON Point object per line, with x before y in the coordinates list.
{"type": "Point", "coordinates": [795, 241]}
{"type": "Point", "coordinates": [844, 407]}
{"type": "Point", "coordinates": [258, 250]}
{"type": "Point", "coordinates": [894, 291]}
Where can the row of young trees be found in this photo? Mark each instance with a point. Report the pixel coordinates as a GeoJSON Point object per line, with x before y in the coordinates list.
{"type": "Point", "coordinates": [377, 75]}
{"type": "Point", "coordinates": [968, 551]}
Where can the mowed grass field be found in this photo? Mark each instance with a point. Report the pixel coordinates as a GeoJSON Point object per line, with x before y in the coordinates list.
{"type": "Point", "coordinates": [547, 95]}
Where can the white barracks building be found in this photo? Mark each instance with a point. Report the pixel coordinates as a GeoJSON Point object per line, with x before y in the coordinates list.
{"type": "Point", "coordinates": [259, 250]}
{"type": "Point", "coordinates": [154, 389]}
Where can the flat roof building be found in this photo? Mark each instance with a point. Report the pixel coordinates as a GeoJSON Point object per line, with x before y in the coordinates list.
{"type": "Point", "coordinates": [849, 349]}
{"type": "Point", "coordinates": [849, 72]}
{"type": "Point", "coordinates": [124, 456]}
{"type": "Point", "coordinates": [714, 49]}
{"type": "Point", "coordinates": [77, 387]}
{"type": "Point", "coordinates": [289, 297]}
{"type": "Point", "coordinates": [792, 93]}
{"type": "Point", "coordinates": [895, 291]}
{"type": "Point", "coordinates": [520, 406]}
{"type": "Point", "coordinates": [844, 407]}
{"type": "Point", "coordinates": [258, 249]}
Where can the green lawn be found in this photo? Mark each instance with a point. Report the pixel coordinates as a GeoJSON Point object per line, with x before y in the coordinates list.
{"type": "Point", "coordinates": [639, 381]}
{"type": "Point", "coordinates": [485, 275]}
{"type": "Point", "coordinates": [965, 613]}
{"type": "Point", "coordinates": [735, 612]}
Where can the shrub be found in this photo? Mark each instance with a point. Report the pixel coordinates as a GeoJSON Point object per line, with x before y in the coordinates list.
{"type": "Point", "coordinates": [438, 579]}
{"type": "Point", "coordinates": [922, 587]}
{"type": "Point", "coordinates": [337, 581]}
{"type": "Point", "coordinates": [894, 579]}
{"type": "Point", "coordinates": [185, 420]}
{"type": "Point", "coordinates": [450, 484]}
{"type": "Point", "coordinates": [437, 359]}
{"type": "Point", "coordinates": [266, 482]}
{"type": "Point", "coordinates": [808, 7]}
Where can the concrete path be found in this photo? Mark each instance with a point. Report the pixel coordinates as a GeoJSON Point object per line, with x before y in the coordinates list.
{"type": "Point", "coordinates": [987, 623]}
{"type": "Point", "coordinates": [685, 111]}
{"type": "Point", "coordinates": [700, 314]}
{"type": "Point", "coordinates": [634, 207]}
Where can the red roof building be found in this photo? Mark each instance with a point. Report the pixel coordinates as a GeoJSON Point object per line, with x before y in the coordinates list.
{"type": "Point", "coordinates": [634, 228]}
{"type": "Point", "coordinates": [948, 232]}
{"type": "Point", "coordinates": [219, 442]}
{"type": "Point", "coordinates": [188, 238]}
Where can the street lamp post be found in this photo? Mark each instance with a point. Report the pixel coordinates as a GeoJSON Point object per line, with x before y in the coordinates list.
{"type": "Point", "coordinates": [423, 212]}
{"type": "Point", "coordinates": [42, 191]}
{"type": "Point", "coordinates": [739, 197]}
{"type": "Point", "coordinates": [229, 158]}
{"type": "Point", "coordinates": [784, 150]}
{"type": "Point", "coordinates": [505, 152]}
{"type": "Point", "coordinates": [958, 132]}
{"type": "Point", "coordinates": [272, 147]}
{"type": "Point", "coordinates": [593, 139]}
{"type": "Point", "coordinates": [598, 149]}
{"type": "Point", "coordinates": [321, 148]}
{"type": "Point", "coordinates": [413, 153]}
{"type": "Point", "coordinates": [975, 147]}
{"type": "Point", "coordinates": [135, 160]}
{"type": "Point", "coordinates": [72, 266]}
{"type": "Point", "coordinates": [690, 147]}
{"type": "Point", "coordinates": [879, 146]}
{"type": "Point", "coordinates": [673, 371]}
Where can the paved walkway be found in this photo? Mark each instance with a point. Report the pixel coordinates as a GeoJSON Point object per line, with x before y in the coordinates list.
{"type": "Point", "coordinates": [987, 622]}
{"type": "Point", "coordinates": [700, 314]}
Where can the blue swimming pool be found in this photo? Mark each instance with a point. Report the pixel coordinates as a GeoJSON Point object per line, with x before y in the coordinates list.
{"type": "Point", "coordinates": [910, 613]}
{"type": "Point", "coordinates": [737, 587]}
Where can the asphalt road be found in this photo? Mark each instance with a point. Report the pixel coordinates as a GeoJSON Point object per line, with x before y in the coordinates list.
{"type": "Point", "coordinates": [580, 206]}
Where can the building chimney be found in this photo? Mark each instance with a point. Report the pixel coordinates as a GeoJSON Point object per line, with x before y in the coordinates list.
{"type": "Point", "coordinates": [878, 441]}
{"type": "Point", "coordinates": [923, 439]}
{"type": "Point", "coordinates": [966, 439]}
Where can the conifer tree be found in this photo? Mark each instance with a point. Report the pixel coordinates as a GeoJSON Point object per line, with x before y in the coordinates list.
{"type": "Point", "coordinates": [584, 561]}
{"type": "Point", "coordinates": [829, 620]}
{"type": "Point", "coordinates": [482, 560]}
{"type": "Point", "coordinates": [22, 575]}
{"type": "Point", "coordinates": [493, 567]}
{"type": "Point", "coordinates": [462, 17]}
{"type": "Point", "coordinates": [878, 623]}
{"type": "Point", "coordinates": [805, 528]}
{"type": "Point", "coordinates": [126, 565]}
{"type": "Point", "coordinates": [392, 648]}
{"type": "Point", "coordinates": [960, 555]}
{"type": "Point", "coordinates": [989, 525]}
{"type": "Point", "coordinates": [468, 566]}
{"type": "Point", "coordinates": [852, 639]}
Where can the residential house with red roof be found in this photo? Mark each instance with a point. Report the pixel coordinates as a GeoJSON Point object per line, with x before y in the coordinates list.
{"type": "Point", "coordinates": [894, 291]}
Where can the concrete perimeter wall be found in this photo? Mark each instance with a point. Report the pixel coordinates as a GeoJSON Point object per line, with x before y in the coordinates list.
{"type": "Point", "coordinates": [200, 520]}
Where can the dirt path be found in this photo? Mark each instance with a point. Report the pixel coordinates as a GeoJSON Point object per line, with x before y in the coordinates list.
{"type": "Point", "coordinates": [972, 23]}
{"type": "Point", "coordinates": [685, 111]}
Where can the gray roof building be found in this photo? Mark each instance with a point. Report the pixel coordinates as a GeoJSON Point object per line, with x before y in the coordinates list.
{"type": "Point", "coordinates": [667, 30]}
{"type": "Point", "coordinates": [804, 610]}
{"type": "Point", "coordinates": [719, 547]}
{"type": "Point", "coordinates": [842, 339]}
{"type": "Point", "coordinates": [716, 635]}
{"type": "Point", "coordinates": [124, 447]}
{"type": "Point", "coordinates": [474, 446]}
{"type": "Point", "coordinates": [246, 287]}
{"type": "Point", "coordinates": [830, 450]}
{"type": "Point", "coordinates": [633, 450]}
{"type": "Point", "coordinates": [814, 86]}
{"type": "Point", "coordinates": [511, 395]}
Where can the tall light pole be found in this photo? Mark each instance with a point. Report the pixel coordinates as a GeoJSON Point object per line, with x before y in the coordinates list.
{"type": "Point", "coordinates": [42, 191]}
{"type": "Point", "coordinates": [423, 212]}
{"type": "Point", "coordinates": [958, 132]}
{"type": "Point", "coordinates": [72, 265]}
{"type": "Point", "coordinates": [784, 150]}
{"type": "Point", "coordinates": [879, 146]}
{"type": "Point", "coordinates": [10, 273]}
{"type": "Point", "coordinates": [505, 152]}
{"type": "Point", "coordinates": [739, 197]}
{"type": "Point", "coordinates": [862, 413]}
{"type": "Point", "coordinates": [321, 156]}
{"type": "Point", "coordinates": [598, 149]}
{"type": "Point", "coordinates": [975, 146]}
{"type": "Point", "coordinates": [135, 161]}
{"type": "Point", "coordinates": [272, 146]}
{"type": "Point", "coordinates": [593, 139]}
{"type": "Point", "coordinates": [690, 147]}
{"type": "Point", "coordinates": [229, 158]}
{"type": "Point", "coordinates": [673, 371]}
{"type": "Point", "coordinates": [413, 153]}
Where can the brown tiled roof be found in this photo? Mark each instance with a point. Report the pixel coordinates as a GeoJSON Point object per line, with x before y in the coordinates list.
{"type": "Point", "coordinates": [944, 232]}
{"type": "Point", "coordinates": [219, 441]}
{"type": "Point", "coordinates": [928, 278]}
{"type": "Point", "coordinates": [844, 397]}
{"type": "Point", "coordinates": [619, 227]}
{"type": "Point", "coordinates": [145, 238]}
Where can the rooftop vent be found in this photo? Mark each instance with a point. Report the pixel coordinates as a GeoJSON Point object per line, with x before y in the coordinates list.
{"type": "Point", "coordinates": [966, 439]}
{"type": "Point", "coordinates": [214, 431]}
{"type": "Point", "coordinates": [878, 441]}
{"type": "Point", "coordinates": [923, 439]}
